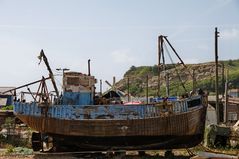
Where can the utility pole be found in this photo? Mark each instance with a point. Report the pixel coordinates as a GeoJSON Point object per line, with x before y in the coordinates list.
{"type": "Point", "coordinates": [216, 84]}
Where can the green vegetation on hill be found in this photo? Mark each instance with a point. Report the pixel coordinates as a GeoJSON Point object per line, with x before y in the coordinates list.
{"type": "Point", "coordinates": [204, 76]}
{"type": "Point", "coordinates": [8, 107]}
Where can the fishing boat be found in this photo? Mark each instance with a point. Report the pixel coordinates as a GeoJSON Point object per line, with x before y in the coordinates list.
{"type": "Point", "coordinates": [80, 120]}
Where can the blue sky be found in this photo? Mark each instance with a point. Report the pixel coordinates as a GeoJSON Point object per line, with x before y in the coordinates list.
{"type": "Point", "coordinates": [114, 34]}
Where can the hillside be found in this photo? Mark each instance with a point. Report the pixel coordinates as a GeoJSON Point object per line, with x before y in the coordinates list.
{"type": "Point", "coordinates": [204, 76]}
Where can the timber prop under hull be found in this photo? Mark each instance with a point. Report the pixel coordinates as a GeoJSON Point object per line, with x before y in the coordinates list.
{"type": "Point", "coordinates": [174, 131]}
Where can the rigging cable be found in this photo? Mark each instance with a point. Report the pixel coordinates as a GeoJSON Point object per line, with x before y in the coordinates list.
{"type": "Point", "coordinates": [180, 78]}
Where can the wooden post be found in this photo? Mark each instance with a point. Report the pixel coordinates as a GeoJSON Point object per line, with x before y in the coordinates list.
{"type": "Point", "coordinates": [128, 87]}
{"type": "Point", "coordinates": [226, 97]}
{"type": "Point", "coordinates": [223, 79]}
{"type": "Point", "coordinates": [167, 84]}
{"type": "Point", "coordinates": [194, 81]}
{"type": "Point", "coordinates": [113, 85]}
{"type": "Point", "coordinates": [216, 84]}
{"type": "Point", "coordinates": [100, 87]}
{"type": "Point", "coordinates": [147, 89]}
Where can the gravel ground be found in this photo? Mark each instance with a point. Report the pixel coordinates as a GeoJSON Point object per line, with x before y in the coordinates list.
{"type": "Point", "coordinates": [129, 155]}
{"type": "Point", "coordinates": [179, 154]}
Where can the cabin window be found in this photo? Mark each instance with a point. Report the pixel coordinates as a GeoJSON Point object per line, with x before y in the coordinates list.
{"type": "Point", "coordinates": [232, 116]}
{"type": "Point", "coordinates": [194, 102]}
{"type": "Point", "coordinates": [73, 81]}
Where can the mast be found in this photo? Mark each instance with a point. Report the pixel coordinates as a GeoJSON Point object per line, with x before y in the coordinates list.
{"type": "Point", "coordinates": [160, 38]}
{"type": "Point", "coordinates": [164, 68]}
{"type": "Point", "coordinates": [216, 65]}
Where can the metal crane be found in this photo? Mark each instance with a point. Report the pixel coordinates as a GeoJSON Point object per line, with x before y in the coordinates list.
{"type": "Point", "coordinates": [43, 56]}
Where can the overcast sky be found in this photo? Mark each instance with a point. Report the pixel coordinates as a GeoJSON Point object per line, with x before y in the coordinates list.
{"type": "Point", "coordinates": [114, 34]}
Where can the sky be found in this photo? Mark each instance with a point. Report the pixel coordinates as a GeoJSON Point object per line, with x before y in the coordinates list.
{"type": "Point", "coordinates": [114, 34]}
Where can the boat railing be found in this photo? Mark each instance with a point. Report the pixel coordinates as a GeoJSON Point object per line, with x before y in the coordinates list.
{"type": "Point", "coordinates": [114, 112]}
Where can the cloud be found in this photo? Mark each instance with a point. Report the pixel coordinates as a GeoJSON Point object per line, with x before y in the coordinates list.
{"type": "Point", "coordinates": [230, 33]}
{"type": "Point", "coordinates": [122, 56]}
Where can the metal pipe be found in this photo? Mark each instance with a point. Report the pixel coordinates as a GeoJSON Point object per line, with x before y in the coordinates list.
{"type": "Point", "coordinates": [26, 85]}
{"type": "Point", "coordinates": [89, 67]}
{"type": "Point", "coordinates": [108, 83]}
{"type": "Point", "coordinates": [31, 94]}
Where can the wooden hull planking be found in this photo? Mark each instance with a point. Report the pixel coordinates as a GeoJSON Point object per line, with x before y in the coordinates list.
{"type": "Point", "coordinates": [174, 131]}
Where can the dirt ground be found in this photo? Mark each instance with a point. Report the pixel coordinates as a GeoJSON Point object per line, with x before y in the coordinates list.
{"type": "Point", "coordinates": [128, 155]}
{"type": "Point", "coordinates": [178, 154]}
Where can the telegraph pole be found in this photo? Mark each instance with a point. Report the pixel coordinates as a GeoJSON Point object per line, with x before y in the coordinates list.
{"type": "Point", "coordinates": [216, 84]}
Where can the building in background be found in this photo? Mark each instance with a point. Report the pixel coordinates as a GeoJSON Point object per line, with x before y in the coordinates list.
{"type": "Point", "coordinates": [6, 99]}
{"type": "Point", "coordinates": [233, 106]}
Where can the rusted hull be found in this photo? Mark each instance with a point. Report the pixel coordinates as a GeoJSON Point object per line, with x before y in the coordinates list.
{"type": "Point", "coordinates": [174, 131]}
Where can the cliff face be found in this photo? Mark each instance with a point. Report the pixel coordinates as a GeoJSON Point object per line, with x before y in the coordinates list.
{"type": "Point", "coordinates": [178, 75]}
